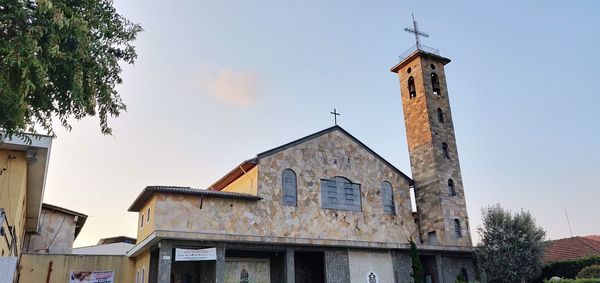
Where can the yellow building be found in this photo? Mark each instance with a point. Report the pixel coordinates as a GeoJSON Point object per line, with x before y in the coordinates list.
{"type": "Point", "coordinates": [23, 166]}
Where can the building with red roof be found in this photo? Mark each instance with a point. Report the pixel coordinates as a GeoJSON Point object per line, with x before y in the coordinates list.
{"type": "Point", "coordinates": [572, 248]}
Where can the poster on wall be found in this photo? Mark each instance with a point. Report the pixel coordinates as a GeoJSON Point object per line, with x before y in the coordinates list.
{"type": "Point", "coordinates": [195, 254]}
{"type": "Point", "coordinates": [106, 276]}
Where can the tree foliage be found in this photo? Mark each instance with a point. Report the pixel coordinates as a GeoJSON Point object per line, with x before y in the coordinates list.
{"type": "Point", "coordinates": [511, 248]}
{"type": "Point", "coordinates": [60, 58]}
{"type": "Point", "coordinates": [417, 267]}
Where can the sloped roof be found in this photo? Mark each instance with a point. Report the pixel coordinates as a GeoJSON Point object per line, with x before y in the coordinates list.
{"type": "Point", "coordinates": [107, 249]}
{"type": "Point", "coordinates": [250, 163]}
{"type": "Point", "coordinates": [571, 248]}
{"type": "Point", "coordinates": [593, 237]}
{"type": "Point", "coordinates": [145, 195]}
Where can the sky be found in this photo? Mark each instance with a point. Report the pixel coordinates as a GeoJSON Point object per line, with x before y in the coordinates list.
{"type": "Point", "coordinates": [217, 82]}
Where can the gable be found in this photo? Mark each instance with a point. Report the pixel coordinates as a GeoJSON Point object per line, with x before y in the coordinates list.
{"type": "Point", "coordinates": [319, 134]}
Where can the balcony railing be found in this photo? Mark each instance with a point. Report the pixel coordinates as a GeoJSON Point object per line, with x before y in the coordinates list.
{"type": "Point", "coordinates": [416, 47]}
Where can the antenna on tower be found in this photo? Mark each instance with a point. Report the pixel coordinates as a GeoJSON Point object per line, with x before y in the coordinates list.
{"type": "Point", "coordinates": [569, 222]}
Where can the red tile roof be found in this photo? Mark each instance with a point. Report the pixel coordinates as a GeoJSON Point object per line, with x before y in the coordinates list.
{"type": "Point", "coordinates": [593, 237]}
{"type": "Point", "coordinates": [571, 248]}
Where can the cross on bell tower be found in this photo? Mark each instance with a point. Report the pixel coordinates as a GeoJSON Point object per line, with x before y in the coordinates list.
{"type": "Point", "coordinates": [415, 30]}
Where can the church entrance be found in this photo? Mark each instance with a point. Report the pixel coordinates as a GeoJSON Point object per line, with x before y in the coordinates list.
{"type": "Point", "coordinates": [429, 269]}
{"type": "Point", "coordinates": [309, 267]}
{"type": "Point", "coordinates": [193, 272]}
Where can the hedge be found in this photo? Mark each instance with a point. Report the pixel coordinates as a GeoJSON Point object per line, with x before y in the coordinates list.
{"type": "Point", "coordinates": [574, 281]}
{"type": "Point", "coordinates": [567, 268]}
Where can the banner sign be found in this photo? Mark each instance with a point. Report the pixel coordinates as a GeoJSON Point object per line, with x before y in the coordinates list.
{"type": "Point", "coordinates": [107, 276]}
{"type": "Point", "coordinates": [195, 254]}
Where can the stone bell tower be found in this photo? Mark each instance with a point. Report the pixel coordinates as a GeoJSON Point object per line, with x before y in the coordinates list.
{"type": "Point", "coordinates": [439, 193]}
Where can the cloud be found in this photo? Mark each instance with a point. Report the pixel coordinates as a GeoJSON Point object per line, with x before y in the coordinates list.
{"type": "Point", "coordinates": [232, 87]}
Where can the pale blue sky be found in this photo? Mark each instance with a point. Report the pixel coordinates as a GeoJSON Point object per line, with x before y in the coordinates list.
{"type": "Point", "coordinates": [218, 81]}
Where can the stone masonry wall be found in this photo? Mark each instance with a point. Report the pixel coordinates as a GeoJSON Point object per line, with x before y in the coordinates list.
{"type": "Point", "coordinates": [452, 267]}
{"type": "Point", "coordinates": [329, 155]}
{"type": "Point", "coordinates": [431, 170]}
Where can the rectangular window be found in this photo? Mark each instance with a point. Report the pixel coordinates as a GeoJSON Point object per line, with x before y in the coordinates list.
{"type": "Point", "coordinates": [340, 195]}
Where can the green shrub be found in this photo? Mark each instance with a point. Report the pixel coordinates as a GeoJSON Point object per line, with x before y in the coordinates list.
{"type": "Point", "coordinates": [592, 271]}
{"type": "Point", "coordinates": [567, 268]}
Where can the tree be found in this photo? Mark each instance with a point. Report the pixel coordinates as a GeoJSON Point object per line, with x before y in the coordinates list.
{"type": "Point", "coordinates": [417, 267]}
{"type": "Point", "coordinates": [60, 58]}
{"type": "Point", "coordinates": [511, 247]}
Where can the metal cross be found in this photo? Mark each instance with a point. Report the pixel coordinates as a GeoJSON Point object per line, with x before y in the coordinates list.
{"type": "Point", "coordinates": [415, 30]}
{"type": "Point", "coordinates": [335, 114]}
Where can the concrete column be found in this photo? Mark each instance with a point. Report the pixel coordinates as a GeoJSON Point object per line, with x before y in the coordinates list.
{"type": "Point", "coordinates": [220, 265]}
{"type": "Point", "coordinates": [290, 271]}
{"type": "Point", "coordinates": [165, 261]}
{"type": "Point", "coordinates": [438, 265]}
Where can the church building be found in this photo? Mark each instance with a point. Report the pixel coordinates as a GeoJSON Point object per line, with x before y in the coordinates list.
{"type": "Point", "coordinates": [322, 208]}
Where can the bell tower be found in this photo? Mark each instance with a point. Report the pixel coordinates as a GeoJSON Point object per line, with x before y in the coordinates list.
{"type": "Point", "coordinates": [439, 193]}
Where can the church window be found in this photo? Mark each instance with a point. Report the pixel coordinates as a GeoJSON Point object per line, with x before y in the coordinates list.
{"type": "Point", "coordinates": [432, 66]}
{"type": "Point", "coordinates": [457, 228]}
{"type": "Point", "coordinates": [464, 274]}
{"type": "Point", "coordinates": [141, 221]}
{"type": "Point", "coordinates": [440, 115]}
{"type": "Point", "coordinates": [409, 70]}
{"type": "Point", "coordinates": [148, 215]}
{"type": "Point", "coordinates": [412, 90]}
{"type": "Point", "coordinates": [340, 193]}
{"type": "Point", "coordinates": [387, 198]}
{"type": "Point", "coordinates": [432, 238]}
{"type": "Point", "coordinates": [137, 276]}
{"type": "Point", "coordinates": [435, 83]}
{"type": "Point", "coordinates": [445, 150]}
{"type": "Point", "coordinates": [451, 190]}
{"type": "Point", "coordinates": [289, 184]}
{"type": "Point", "coordinates": [143, 274]}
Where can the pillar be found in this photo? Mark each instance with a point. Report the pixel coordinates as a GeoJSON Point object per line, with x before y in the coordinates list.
{"type": "Point", "coordinates": [220, 265]}
{"type": "Point", "coordinates": [290, 272]}
{"type": "Point", "coordinates": [165, 261]}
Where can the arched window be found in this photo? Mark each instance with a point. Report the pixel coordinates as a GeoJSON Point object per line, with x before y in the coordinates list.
{"type": "Point", "coordinates": [387, 198]}
{"type": "Point", "coordinates": [137, 276]}
{"type": "Point", "coordinates": [457, 229]}
{"type": "Point", "coordinates": [148, 215]}
{"type": "Point", "coordinates": [143, 274]}
{"type": "Point", "coordinates": [451, 190]}
{"type": "Point", "coordinates": [412, 90]}
{"type": "Point", "coordinates": [141, 220]}
{"type": "Point", "coordinates": [435, 83]}
{"type": "Point", "coordinates": [289, 185]}
{"type": "Point", "coordinates": [445, 150]}
{"type": "Point", "coordinates": [464, 274]}
{"type": "Point", "coordinates": [440, 115]}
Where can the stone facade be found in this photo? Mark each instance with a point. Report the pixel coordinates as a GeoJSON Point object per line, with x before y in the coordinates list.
{"type": "Point", "coordinates": [331, 154]}
{"type": "Point", "coordinates": [431, 169]}
{"type": "Point", "coordinates": [454, 265]}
